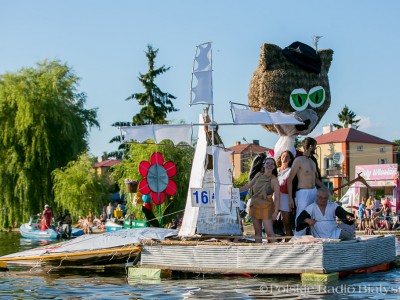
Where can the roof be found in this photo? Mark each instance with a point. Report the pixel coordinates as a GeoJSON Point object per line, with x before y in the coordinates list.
{"type": "Point", "coordinates": [107, 163]}
{"type": "Point", "coordinates": [243, 148]}
{"type": "Point", "coordinates": [349, 135]}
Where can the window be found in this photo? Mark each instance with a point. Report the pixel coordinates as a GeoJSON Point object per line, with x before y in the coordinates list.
{"type": "Point", "coordinates": [360, 148]}
{"type": "Point", "coordinates": [382, 161]}
{"type": "Point", "coordinates": [327, 163]}
{"type": "Point", "coordinates": [382, 149]}
{"type": "Point", "coordinates": [328, 184]}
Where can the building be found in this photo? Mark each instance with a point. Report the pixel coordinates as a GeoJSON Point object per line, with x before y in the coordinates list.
{"type": "Point", "coordinates": [340, 151]}
{"type": "Point", "coordinates": [103, 165]}
{"type": "Point", "coordinates": [243, 155]}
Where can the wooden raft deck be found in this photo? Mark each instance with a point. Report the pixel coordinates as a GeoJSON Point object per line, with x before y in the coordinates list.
{"type": "Point", "coordinates": [276, 258]}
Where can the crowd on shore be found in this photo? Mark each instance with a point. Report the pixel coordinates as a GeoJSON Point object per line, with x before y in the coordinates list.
{"type": "Point", "coordinates": [373, 214]}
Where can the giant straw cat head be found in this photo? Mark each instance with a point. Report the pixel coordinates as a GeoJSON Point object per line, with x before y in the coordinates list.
{"type": "Point", "coordinates": [294, 79]}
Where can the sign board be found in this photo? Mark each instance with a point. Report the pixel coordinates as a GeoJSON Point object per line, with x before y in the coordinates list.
{"type": "Point", "coordinates": [206, 197]}
{"type": "Point", "coordinates": [202, 197]}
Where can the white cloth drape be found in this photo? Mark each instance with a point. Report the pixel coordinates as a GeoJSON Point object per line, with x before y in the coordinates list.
{"type": "Point", "coordinates": [243, 115]}
{"type": "Point", "coordinates": [223, 180]}
{"type": "Point", "coordinates": [175, 132]}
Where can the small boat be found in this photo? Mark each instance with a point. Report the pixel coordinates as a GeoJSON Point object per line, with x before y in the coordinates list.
{"type": "Point", "coordinates": [32, 230]}
{"type": "Point", "coordinates": [112, 226]}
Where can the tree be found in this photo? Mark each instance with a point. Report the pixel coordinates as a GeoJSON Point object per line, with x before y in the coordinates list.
{"type": "Point", "coordinates": [346, 117]}
{"type": "Point", "coordinates": [79, 189]}
{"type": "Point", "coordinates": [44, 126]}
{"type": "Point", "coordinates": [156, 104]}
{"type": "Point", "coordinates": [397, 142]}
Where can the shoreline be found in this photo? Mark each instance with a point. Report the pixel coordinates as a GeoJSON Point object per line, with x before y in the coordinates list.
{"type": "Point", "coordinates": [247, 230]}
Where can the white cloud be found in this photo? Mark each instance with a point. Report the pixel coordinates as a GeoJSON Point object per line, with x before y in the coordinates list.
{"type": "Point", "coordinates": [367, 124]}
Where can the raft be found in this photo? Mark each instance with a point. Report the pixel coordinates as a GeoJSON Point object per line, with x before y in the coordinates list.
{"type": "Point", "coordinates": [320, 256]}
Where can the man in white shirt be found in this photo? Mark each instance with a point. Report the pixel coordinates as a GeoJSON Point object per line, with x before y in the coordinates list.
{"type": "Point", "coordinates": [321, 217]}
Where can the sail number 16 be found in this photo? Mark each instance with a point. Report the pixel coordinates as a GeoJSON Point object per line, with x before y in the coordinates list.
{"type": "Point", "coordinates": [202, 197]}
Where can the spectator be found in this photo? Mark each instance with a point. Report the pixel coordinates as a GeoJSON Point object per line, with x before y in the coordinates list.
{"type": "Point", "coordinates": [66, 228]}
{"type": "Point", "coordinates": [110, 211]}
{"type": "Point", "coordinates": [386, 210]}
{"type": "Point", "coordinates": [118, 213]}
{"type": "Point", "coordinates": [361, 215]}
{"type": "Point", "coordinates": [87, 225]}
{"type": "Point", "coordinates": [96, 222]}
{"type": "Point", "coordinates": [47, 217]}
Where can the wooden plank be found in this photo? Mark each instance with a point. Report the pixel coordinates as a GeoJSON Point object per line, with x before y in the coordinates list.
{"type": "Point", "coordinates": [238, 271]}
{"type": "Point", "coordinates": [72, 254]}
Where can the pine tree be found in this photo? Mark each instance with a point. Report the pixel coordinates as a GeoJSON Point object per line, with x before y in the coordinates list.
{"type": "Point", "coordinates": [156, 103]}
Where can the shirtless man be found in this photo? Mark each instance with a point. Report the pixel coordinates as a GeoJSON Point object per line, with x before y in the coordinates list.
{"type": "Point", "coordinates": [306, 170]}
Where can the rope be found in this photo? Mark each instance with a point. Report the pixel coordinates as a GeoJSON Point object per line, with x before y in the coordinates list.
{"type": "Point", "coordinates": [48, 272]}
{"type": "Point", "coordinates": [37, 265]}
{"type": "Point", "coordinates": [166, 215]}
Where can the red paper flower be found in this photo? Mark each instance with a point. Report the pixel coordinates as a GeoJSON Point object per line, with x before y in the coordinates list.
{"type": "Point", "coordinates": [157, 176]}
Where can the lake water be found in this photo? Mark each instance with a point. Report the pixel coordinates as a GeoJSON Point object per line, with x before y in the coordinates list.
{"type": "Point", "coordinates": [111, 283]}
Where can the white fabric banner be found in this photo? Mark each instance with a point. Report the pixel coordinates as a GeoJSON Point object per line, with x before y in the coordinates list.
{"type": "Point", "coordinates": [223, 180]}
{"type": "Point", "coordinates": [203, 92]}
{"type": "Point", "coordinates": [203, 89]}
{"type": "Point", "coordinates": [204, 58]}
{"type": "Point", "coordinates": [175, 132]}
{"type": "Point", "coordinates": [244, 115]}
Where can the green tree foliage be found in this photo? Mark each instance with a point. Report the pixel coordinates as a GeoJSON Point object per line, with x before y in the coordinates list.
{"type": "Point", "coordinates": [43, 126]}
{"type": "Point", "coordinates": [79, 189]}
{"type": "Point", "coordinates": [397, 142]}
{"type": "Point", "coordinates": [156, 103]}
{"type": "Point", "coordinates": [181, 155]}
{"type": "Point", "coordinates": [347, 118]}
{"type": "Point", "coordinates": [241, 180]}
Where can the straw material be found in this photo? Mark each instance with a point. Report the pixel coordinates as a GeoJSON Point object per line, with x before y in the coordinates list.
{"type": "Point", "coordinates": [275, 78]}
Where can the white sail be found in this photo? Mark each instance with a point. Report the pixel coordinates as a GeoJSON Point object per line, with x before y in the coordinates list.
{"type": "Point", "coordinates": [203, 73]}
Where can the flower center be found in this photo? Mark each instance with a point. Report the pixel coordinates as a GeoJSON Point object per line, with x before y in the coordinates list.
{"type": "Point", "coordinates": [157, 178]}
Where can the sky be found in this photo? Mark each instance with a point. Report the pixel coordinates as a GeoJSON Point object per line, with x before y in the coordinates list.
{"type": "Point", "coordinates": [104, 42]}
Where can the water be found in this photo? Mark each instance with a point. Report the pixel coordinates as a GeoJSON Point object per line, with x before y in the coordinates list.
{"type": "Point", "coordinates": [111, 283]}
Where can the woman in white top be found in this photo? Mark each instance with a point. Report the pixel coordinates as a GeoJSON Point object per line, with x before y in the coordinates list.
{"type": "Point", "coordinates": [284, 162]}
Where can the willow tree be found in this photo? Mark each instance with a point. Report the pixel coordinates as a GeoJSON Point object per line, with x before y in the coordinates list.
{"type": "Point", "coordinates": [43, 126]}
{"type": "Point", "coordinates": [79, 189]}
